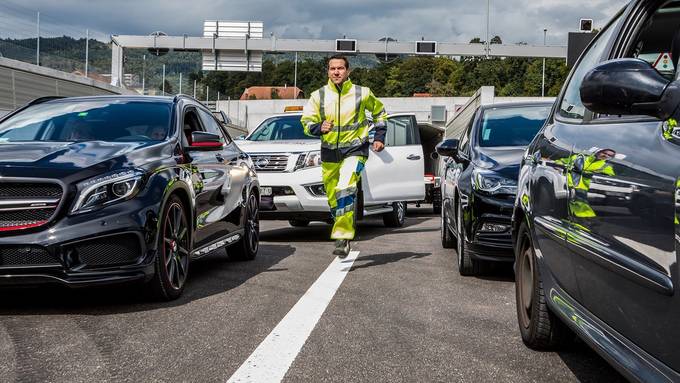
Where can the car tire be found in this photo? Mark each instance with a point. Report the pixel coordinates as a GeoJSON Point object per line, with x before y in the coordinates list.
{"type": "Point", "coordinates": [466, 265]}
{"type": "Point", "coordinates": [397, 216]}
{"type": "Point", "coordinates": [298, 222]}
{"type": "Point", "coordinates": [436, 201]}
{"type": "Point", "coordinates": [245, 249]}
{"type": "Point", "coordinates": [447, 237]}
{"type": "Point", "coordinates": [540, 328]}
{"type": "Point", "coordinates": [171, 266]}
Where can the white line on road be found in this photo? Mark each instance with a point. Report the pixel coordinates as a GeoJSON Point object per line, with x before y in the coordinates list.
{"type": "Point", "coordinates": [272, 358]}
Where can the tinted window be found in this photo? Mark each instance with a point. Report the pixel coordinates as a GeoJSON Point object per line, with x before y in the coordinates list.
{"type": "Point", "coordinates": [511, 126]}
{"type": "Point", "coordinates": [463, 145]}
{"type": "Point", "coordinates": [655, 42]}
{"type": "Point", "coordinates": [210, 124]}
{"type": "Point", "coordinates": [280, 128]}
{"type": "Point", "coordinates": [95, 120]}
{"type": "Point", "coordinates": [571, 105]}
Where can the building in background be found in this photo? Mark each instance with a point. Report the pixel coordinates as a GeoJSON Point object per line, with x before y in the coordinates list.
{"type": "Point", "coordinates": [272, 93]}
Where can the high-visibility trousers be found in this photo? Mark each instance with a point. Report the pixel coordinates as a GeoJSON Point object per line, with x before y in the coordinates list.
{"type": "Point", "coordinates": [340, 180]}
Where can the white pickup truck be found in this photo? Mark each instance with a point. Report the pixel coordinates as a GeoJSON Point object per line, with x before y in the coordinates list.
{"type": "Point", "coordinates": [288, 166]}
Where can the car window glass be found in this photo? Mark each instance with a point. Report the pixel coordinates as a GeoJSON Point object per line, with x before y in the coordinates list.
{"type": "Point", "coordinates": [515, 126]}
{"type": "Point", "coordinates": [399, 131]}
{"type": "Point", "coordinates": [211, 125]}
{"type": "Point", "coordinates": [659, 40]}
{"type": "Point", "coordinates": [280, 128]}
{"type": "Point", "coordinates": [465, 138]}
{"type": "Point", "coordinates": [571, 105]}
{"type": "Point", "coordinates": [106, 120]}
{"type": "Point", "coordinates": [414, 132]}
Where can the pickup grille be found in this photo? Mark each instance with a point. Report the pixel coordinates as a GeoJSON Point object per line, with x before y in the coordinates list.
{"type": "Point", "coordinates": [270, 162]}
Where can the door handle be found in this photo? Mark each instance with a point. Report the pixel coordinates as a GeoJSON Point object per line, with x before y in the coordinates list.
{"type": "Point", "coordinates": [413, 157]}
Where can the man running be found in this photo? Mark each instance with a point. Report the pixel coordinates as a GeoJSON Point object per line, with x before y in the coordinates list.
{"type": "Point", "coordinates": [336, 113]}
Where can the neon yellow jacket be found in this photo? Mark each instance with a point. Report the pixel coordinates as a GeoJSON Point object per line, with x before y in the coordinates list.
{"type": "Point", "coordinates": [346, 107]}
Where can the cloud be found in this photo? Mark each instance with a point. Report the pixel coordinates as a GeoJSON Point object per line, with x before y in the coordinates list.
{"type": "Point", "coordinates": [405, 20]}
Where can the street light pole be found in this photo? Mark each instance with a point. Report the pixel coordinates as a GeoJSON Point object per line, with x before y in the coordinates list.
{"type": "Point", "coordinates": [295, 76]}
{"type": "Point", "coordinates": [488, 11]}
{"type": "Point", "coordinates": [87, 50]}
{"type": "Point", "coordinates": [37, 46]}
{"type": "Point", "coordinates": [545, 31]}
{"type": "Point", "coordinates": [143, 74]}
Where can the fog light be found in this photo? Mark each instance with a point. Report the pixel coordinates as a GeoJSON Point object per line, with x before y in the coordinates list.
{"type": "Point", "coordinates": [494, 227]}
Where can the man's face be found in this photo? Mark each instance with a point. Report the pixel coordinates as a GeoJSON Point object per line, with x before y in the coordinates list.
{"type": "Point", "coordinates": [337, 72]}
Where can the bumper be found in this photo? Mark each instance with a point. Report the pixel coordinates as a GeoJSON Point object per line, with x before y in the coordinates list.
{"type": "Point", "coordinates": [301, 204]}
{"type": "Point", "coordinates": [112, 245]}
{"type": "Point", "coordinates": [490, 228]}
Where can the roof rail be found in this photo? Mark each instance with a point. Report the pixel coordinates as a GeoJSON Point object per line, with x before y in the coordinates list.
{"type": "Point", "coordinates": [182, 95]}
{"type": "Point", "coordinates": [40, 100]}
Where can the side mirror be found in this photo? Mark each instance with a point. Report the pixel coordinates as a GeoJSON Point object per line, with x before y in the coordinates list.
{"type": "Point", "coordinates": [448, 148]}
{"type": "Point", "coordinates": [204, 141]}
{"type": "Point", "coordinates": [629, 87]}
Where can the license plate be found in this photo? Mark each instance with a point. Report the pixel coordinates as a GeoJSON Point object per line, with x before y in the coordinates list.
{"type": "Point", "coordinates": [266, 191]}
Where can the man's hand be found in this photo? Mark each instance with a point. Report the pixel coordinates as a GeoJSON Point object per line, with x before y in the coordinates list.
{"type": "Point", "coordinates": [378, 146]}
{"type": "Point", "coordinates": [326, 126]}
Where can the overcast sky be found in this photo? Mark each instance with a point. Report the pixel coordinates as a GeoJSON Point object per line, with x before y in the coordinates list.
{"type": "Point", "coordinates": [406, 20]}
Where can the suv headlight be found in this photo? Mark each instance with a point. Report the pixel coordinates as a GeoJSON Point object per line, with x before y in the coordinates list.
{"type": "Point", "coordinates": [308, 160]}
{"type": "Point", "coordinates": [493, 183]}
{"type": "Point", "coordinates": [107, 189]}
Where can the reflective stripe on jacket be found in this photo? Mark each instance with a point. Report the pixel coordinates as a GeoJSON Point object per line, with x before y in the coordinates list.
{"type": "Point", "coordinates": [346, 108]}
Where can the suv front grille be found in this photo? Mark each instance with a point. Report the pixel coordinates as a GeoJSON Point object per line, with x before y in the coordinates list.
{"type": "Point", "coordinates": [270, 162]}
{"type": "Point", "coordinates": [27, 204]}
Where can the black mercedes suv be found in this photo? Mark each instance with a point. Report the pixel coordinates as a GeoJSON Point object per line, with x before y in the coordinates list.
{"type": "Point", "coordinates": [107, 189]}
{"type": "Point", "coordinates": [595, 225]}
{"type": "Point", "coordinates": [479, 181]}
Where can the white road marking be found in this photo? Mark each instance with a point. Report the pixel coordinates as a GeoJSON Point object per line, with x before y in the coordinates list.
{"type": "Point", "coordinates": [272, 358]}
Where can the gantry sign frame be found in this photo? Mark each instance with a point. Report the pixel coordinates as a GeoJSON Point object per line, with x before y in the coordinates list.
{"type": "Point", "coordinates": [277, 45]}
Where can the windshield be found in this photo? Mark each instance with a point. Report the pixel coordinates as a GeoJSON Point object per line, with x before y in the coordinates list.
{"type": "Point", "coordinates": [515, 126]}
{"type": "Point", "coordinates": [280, 128]}
{"type": "Point", "coordinates": [92, 120]}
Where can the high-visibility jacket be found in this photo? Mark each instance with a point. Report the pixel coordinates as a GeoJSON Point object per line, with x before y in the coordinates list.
{"type": "Point", "coordinates": [346, 107]}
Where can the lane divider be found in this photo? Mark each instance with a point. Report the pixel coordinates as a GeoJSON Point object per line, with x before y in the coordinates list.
{"type": "Point", "coordinates": [273, 357]}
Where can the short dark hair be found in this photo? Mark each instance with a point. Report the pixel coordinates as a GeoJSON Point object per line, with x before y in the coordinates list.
{"type": "Point", "coordinates": [338, 57]}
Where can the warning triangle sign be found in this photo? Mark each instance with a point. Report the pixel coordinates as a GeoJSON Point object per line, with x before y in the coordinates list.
{"type": "Point", "coordinates": [664, 63]}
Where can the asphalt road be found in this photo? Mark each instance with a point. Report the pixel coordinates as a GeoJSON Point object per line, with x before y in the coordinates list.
{"type": "Point", "coordinates": [402, 314]}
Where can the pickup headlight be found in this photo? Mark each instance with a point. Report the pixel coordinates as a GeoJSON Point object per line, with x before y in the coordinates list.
{"type": "Point", "coordinates": [107, 189]}
{"type": "Point", "coordinates": [493, 183]}
{"type": "Point", "coordinates": [308, 160]}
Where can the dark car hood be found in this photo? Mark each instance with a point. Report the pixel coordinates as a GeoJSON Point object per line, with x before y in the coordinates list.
{"type": "Point", "coordinates": [504, 160]}
{"type": "Point", "coordinates": [61, 159]}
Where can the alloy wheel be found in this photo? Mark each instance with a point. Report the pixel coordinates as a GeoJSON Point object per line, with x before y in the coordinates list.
{"type": "Point", "coordinates": [252, 229]}
{"type": "Point", "coordinates": [175, 246]}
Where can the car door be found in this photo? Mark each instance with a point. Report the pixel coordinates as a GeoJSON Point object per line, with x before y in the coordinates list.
{"type": "Point", "coordinates": [451, 172]}
{"type": "Point", "coordinates": [622, 177]}
{"type": "Point", "coordinates": [211, 175]}
{"type": "Point", "coordinates": [396, 173]}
